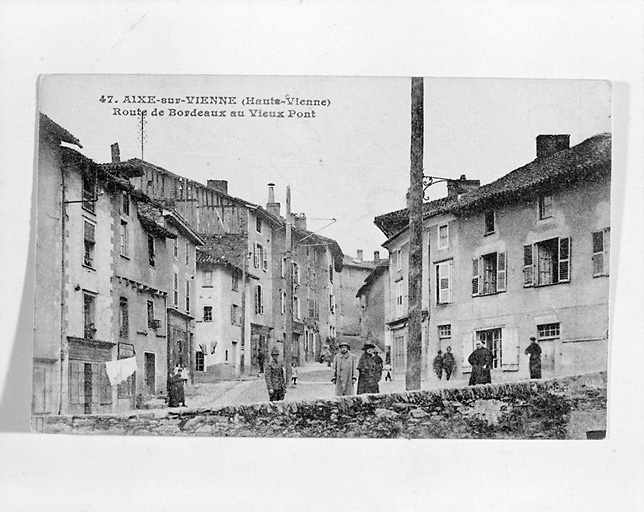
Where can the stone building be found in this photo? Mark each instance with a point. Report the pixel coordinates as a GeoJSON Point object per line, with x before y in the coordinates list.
{"type": "Point", "coordinates": [371, 300]}
{"type": "Point", "coordinates": [526, 255]}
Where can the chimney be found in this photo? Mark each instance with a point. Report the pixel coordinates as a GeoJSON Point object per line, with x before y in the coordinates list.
{"type": "Point", "coordinates": [548, 145]}
{"type": "Point", "coordinates": [376, 257]}
{"type": "Point", "coordinates": [116, 153]}
{"type": "Point", "coordinates": [360, 255]}
{"type": "Point", "coordinates": [300, 221]}
{"type": "Point", "coordinates": [220, 185]}
{"type": "Point", "coordinates": [271, 205]}
{"type": "Point", "coordinates": [461, 186]}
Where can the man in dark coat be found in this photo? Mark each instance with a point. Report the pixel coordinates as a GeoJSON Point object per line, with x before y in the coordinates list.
{"type": "Point", "coordinates": [448, 362]}
{"type": "Point", "coordinates": [437, 364]}
{"type": "Point", "coordinates": [274, 377]}
{"type": "Point", "coordinates": [534, 351]}
{"type": "Point", "coordinates": [481, 361]}
{"type": "Point", "coordinates": [176, 393]}
{"type": "Point", "coordinates": [370, 371]}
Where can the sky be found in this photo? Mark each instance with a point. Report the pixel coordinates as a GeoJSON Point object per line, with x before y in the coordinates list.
{"type": "Point", "coordinates": [345, 159]}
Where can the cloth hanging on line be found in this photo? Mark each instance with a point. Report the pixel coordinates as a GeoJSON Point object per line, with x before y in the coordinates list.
{"type": "Point", "coordinates": [118, 371]}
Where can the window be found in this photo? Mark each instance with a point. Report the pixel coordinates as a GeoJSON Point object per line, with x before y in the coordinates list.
{"type": "Point", "coordinates": [601, 245]}
{"type": "Point", "coordinates": [187, 295]}
{"type": "Point", "coordinates": [207, 313]}
{"type": "Point", "coordinates": [546, 262]}
{"type": "Point", "coordinates": [89, 239]}
{"type": "Point", "coordinates": [259, 300]}
{"type": "Point", "coordinates": [126, 389]}
{"type": "Point", "coordinates": [330, 273]}
{"type": "Point", "coordinates": [548, 331]}
{"type": "Point", "coordinates": [79, 372]}
{"type": "Point", "coordinates": [296, 273]}
{"type": "Point", "coordinates": [296, 308]}
{"type": "Point", "coordinates": [282, 302]}
{"type": "Point", "coordinates": [207, 280]}
{"type": "Point", "coordinates": [125, 203]}
{"type": "Point", "coordinates": [331, 303]}
{"type": "Point", "coordinates": [187, 253]}
{"type": "Point", "coordinates": [151, 254]}
{"type": "Point", "coordinates": [89, 316]}
{"type": "Point", "coordinates": [235, 282]}
{"type": "Point", "coordinates": [444, 334]}
{"type": "Point", "coordinates": [175, 290]}
{"type": "Point", "coordinates": [260, 257]}
{"type": "Point", "coordinates": [545, 207]}
{"type": "Point", "coordinates": [489, 274]}
{"type": "Point", "coordinates": [89, 192]}
{"type": "Point", "coordinates": [491, 339]}
{"type": "Point", "coordinates": [283, 268]}
{"type": "Point", "coordinates": [398, 259]}
{"type": "Point", "coordinates": [311, 307]}
{"type": "Point", "coordinates": [124, 238]}
{"type": "Point", "coordinates": [444, 282]}
{"type": "Point", "coordinates": [400, 311]}
{"type": "Point", "coordinates": [235, 315]}
{"type": "Point", "coordinates": [175, 248]}
{"type": "Point", "coordinates": [124, 322]}
{"type": "Point", "coordinates": [443, 237]}
{"type": "Point", "coordinates": [199, 361]}
{"type": "Point", "coordinates": [489, 222]}
{"type": "Point", "coordinates": [150, 310]}
{"type": "Point", "coordinates": [258, 224]}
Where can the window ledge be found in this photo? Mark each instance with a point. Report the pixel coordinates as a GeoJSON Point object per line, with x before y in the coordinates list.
{"type": "Point", "coordinates": [144, 333]}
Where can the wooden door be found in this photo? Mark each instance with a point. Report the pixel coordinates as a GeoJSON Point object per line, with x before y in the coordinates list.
{"type": "Point", "coordinates": [150, 373]}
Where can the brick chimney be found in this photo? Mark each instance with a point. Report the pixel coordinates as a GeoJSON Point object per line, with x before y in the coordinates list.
{"type": "Point", "coordinates": [376, 257]}
{"type": "Point", "coordinates": [116, 153]}
{"type": "Point", "coordinates": [300, 221]}
{"type": "Point", "coordinates": [220, 185]}
{"type": "Point", "coordinates": [461, 186]}
{"type": "Point", "coordinates": [548, 145]}
{"type": "Point", "coordinates": [271, 206]}
{"type": "Point", "coordinates": [360, 255]}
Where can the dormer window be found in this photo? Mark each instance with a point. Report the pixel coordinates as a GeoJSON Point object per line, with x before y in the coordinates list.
{"type": "Point", "coordinates": [489, 222]}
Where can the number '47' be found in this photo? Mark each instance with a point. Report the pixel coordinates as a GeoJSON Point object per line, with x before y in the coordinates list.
{"type": "Point", "coordinates": [106, 99]}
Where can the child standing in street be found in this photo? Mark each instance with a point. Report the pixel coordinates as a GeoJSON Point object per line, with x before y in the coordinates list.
{"type": "Point", "coordinates": [294, 374]}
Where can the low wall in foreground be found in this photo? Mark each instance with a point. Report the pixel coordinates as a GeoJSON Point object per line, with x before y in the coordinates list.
{"type": "Point", "coordinates": [564, 408]}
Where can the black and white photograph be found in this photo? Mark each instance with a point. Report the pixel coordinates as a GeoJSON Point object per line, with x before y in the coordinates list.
{"type": "Point", "coordinates": [323, 257]}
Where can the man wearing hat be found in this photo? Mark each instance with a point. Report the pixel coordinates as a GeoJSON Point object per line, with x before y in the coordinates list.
{"type": "Point", "coordinates": [370, 371]}
{"type": "Point", "coordinates": [344, 371]}
{"type": "Point", "coordinates": [534, 351]}
{"type": "Point", "coordinates": [274, 376]}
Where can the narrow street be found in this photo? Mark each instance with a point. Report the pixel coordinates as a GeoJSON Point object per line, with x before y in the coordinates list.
{"type": "Point", "coordinates": [314, 381]}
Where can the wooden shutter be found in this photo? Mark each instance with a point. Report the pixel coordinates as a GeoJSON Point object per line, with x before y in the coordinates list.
{"type": "Point", "coordinates": [528, 265]}
{"type": "Point", "coordinates": [510, 350]}
{"type": "Point", "coordinates": [264, 259]}
{"type": "Point", "coordinates": [564, 260]}
{"type": "Point", "coordinates": [255, 256]}
{"type": "Point", "coordinates": [501, 272]}
{"type": "Point", "coordinates": [466, 349]}
{"type": "Point", "coordinates": [76, 382]}
{"type": "Point", "coordinates": [476, 277]}
{"type": "Point", "coordinates": [105, 389]}
{"type": "Point", "coordinates": [607, 251]}
{"type": "Point", "coordinates": [444, 282]}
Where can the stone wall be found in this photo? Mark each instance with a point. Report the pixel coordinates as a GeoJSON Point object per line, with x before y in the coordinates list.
{"type": "Point", "coordinates": [557, 409]}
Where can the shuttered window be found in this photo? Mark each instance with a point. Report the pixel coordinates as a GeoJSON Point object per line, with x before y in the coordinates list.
{"type": "Point", "coordinates": [444, 282]}
{"type": "Point", "coordinates": [489, 274]}
{"type": "Point", "coordinates": [89, 241]}
{"type": "Point", "coordinates": [528, 270]}
{"type": "Point", "coordinates": [547, 262]}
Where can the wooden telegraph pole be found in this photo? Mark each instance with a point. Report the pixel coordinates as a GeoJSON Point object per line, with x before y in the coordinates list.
{"type": "Point", "coordinates": [415, 206]}
{"type": "Point", "coordinates": [288, 341]}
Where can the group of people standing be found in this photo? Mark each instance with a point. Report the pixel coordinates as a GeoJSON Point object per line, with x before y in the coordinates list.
{"type": "Point", "coordinates": [367, 371]}
{"type": "Point", "coordinates": [444, 363]}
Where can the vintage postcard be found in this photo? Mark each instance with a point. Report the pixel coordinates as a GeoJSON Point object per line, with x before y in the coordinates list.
{"type": "Point", "coordinates": [275, 256]}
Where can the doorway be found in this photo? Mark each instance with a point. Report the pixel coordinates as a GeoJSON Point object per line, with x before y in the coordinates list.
{"type": "Point", "coordinates": [150, 373]}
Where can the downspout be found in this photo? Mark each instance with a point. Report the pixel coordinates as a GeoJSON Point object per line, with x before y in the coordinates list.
{"type": "Point", "coordinates": [62, 291]}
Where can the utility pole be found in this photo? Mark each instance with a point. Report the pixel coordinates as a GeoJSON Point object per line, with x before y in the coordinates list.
{"type": "Point", "coordinates": [288, 253]}
{"type": "Point", "coordinates": [243, 311]}
{"type": "Point", "coordinates": [415, 206]}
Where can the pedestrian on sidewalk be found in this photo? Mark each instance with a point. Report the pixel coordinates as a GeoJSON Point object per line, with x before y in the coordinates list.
{"type": "Point", "coordinates": [344, 371]}
{"type": "Point", "coordinates": [370, 372]}
{"type": "Point", "coordinates": [481, 361]}
{"type": "Point", "coordinates": [378, 360]}
{"type": "Point", "coordinates": [534, 350]}
{"type": "Point", "coordinates": [438, 364]}
{"type": "Point", "coordinates": [448, 362]}
{"type": "Point", "coordinates": [294, 374]}
{"type": "Point", "coordinates": [274, 377]}
{"type": "Point", "coordinates": [176, 391]}
{"type": "Point", "coordinates": [387, 368]}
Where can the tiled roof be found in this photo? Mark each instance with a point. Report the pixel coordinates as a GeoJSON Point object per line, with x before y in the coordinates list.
{"type": "Point", "coordinates": [382, 267]}
{"type": "Point", "coordinates": [56, 132]}
{"type": "Point", "coordinates": [148, 216]}
{"type": "Point", "coordinates": [565, 167]}
{"type": "Point", "coordinates": [205, 258]}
